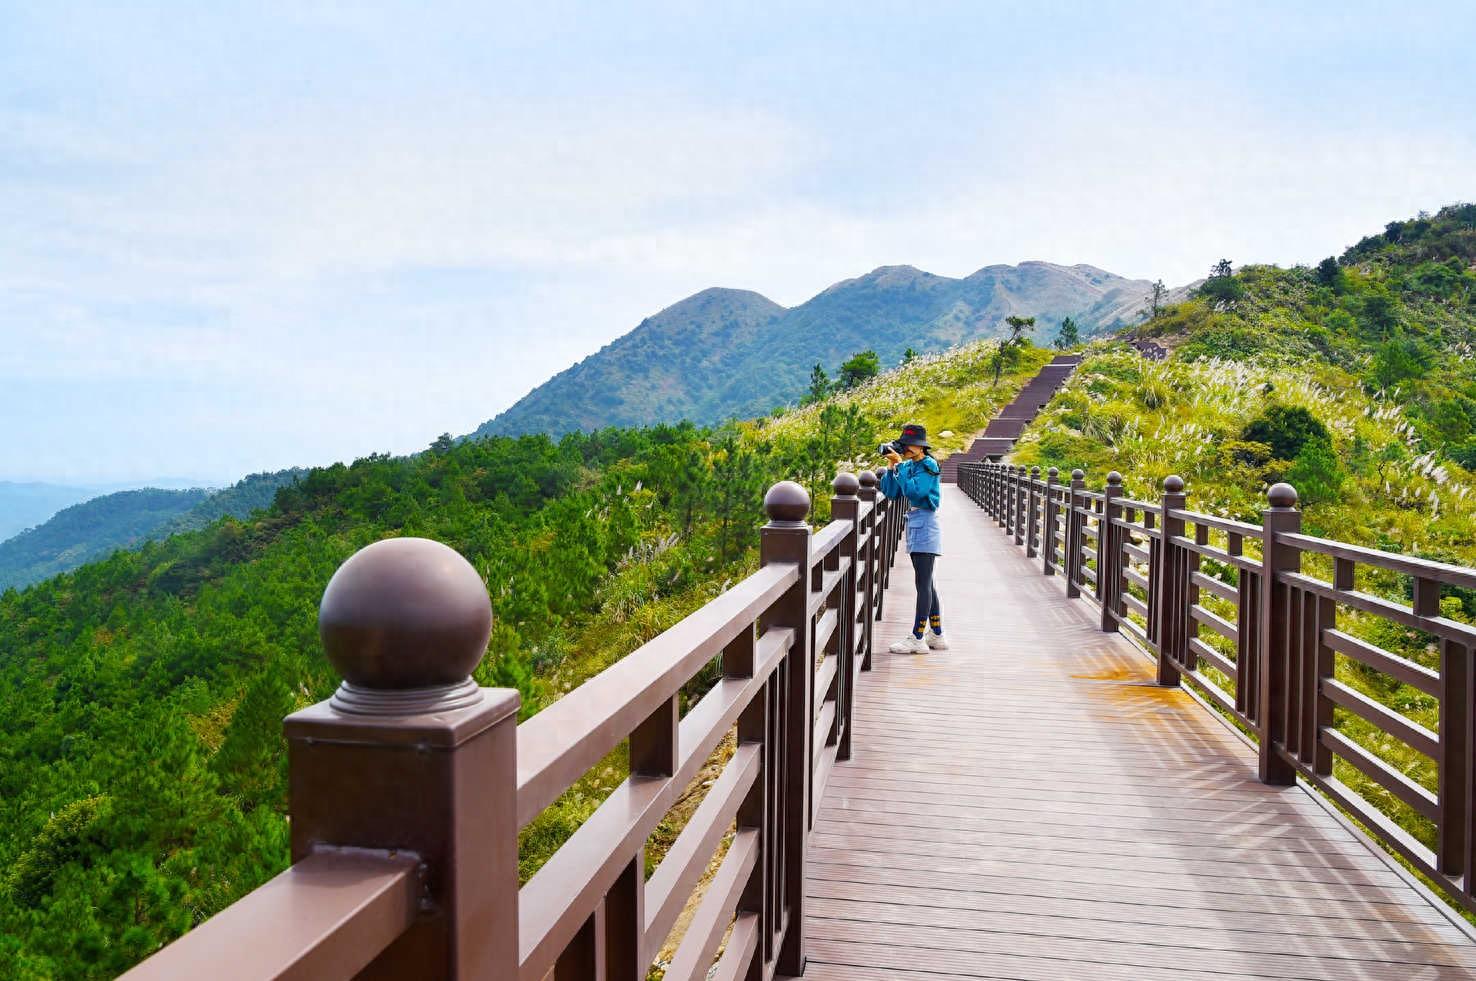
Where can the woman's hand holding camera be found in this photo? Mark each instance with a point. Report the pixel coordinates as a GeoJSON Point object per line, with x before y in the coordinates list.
{"type": "Point", "coordinates": [893, 457]}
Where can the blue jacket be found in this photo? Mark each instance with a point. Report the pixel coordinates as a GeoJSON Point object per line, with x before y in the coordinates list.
{"type": "Point", "coordinates": [920, 484]}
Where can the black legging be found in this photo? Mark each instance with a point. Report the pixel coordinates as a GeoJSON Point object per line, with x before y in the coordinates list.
{"type": "Point", "coordinates": [927, 595]}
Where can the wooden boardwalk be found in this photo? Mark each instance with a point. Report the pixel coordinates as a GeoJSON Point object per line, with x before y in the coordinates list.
{"type": "Point", "coordinates": [1030, 805]}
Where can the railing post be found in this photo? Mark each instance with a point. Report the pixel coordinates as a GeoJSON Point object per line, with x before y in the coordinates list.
{"type": "Point", "coordinates": [410, 755]}
{"type": "Point", "coordinates": [786, 538]}
{"type": "Point", "coordinates": [1109, 554]}
{"type": "Point", "coordinates": [1048, 534]}
{"type": "Point", "coordinates": [1007, 519]}
{"type": "Point", "coordinates": [1032, 514]}
{"type": "Point", "coordinates": [1453, 830]}
{"type": "Point", "coordinates": [1002, 493]}
{"type": "Point", "coordinates": [1074, 521]}
{"type": "Point", "coordinates": [1166, 596]}
{"type": "Point", "coordinates": [868, 493]}
{"type": "Point", "coordinates": [1022, 495]}
{"type": "Point", "coordinates": [846, 506]}
{"type": "Point", "coordinates": [890, 526]}
{"type": "Point", "coordinates": [1007, 514]}
{"type": "Point", "coordinates": [1006, 495]}
{"type": "Point", "coordinates": [1276, 620]}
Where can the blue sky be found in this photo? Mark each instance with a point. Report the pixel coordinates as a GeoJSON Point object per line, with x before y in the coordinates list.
{"type": "Point", "coordinates": [247, 236]}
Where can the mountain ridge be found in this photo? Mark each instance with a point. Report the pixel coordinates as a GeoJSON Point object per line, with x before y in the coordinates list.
{"type": "Point", "coordinates": [94, 528]}
{"type": "Point", "coordinates": [725, 352]}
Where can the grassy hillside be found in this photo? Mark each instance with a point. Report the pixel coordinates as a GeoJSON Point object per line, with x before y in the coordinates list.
{"type": "Point", "coordinates": [141, 766]}
{"type": "Point", "coordinates": [1395, 313]}
{"type": "Point", "coordinates": [95, 528]}
{"type": "Point", "coordinates": [725, 354]}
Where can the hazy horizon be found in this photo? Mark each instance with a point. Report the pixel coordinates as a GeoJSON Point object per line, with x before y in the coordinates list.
{"type": "Point", "coordinates": [297, 234]}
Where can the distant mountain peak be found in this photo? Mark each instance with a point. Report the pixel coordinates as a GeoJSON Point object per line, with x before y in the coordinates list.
{"type": "Point", "coordinates": [721, 294]}
{"type": "Point", "coordinates": [723, 353]}
{"type": "Point", "coordinates": [902, 271]}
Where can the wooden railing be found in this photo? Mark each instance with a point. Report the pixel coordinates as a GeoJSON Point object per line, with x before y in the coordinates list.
{"type": "Point", "coordinates": [1260, 638]}
{"type": "Point", "coordinates": [409, 787]}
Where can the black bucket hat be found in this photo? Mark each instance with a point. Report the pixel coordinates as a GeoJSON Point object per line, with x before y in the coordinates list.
{"type": "Point", "coordinates": [914, 435]}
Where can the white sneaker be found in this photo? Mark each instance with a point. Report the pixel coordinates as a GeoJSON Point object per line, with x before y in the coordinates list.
{"type": "Point", "coordinates": [937, 641]}
{"type": "Point", "coordinates": [910, 645]}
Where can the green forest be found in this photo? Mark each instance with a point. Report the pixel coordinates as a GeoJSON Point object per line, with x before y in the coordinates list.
{"type": "Point", "coordinates": [142, 772]}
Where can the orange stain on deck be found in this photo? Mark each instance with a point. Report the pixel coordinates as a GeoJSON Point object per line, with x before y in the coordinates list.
{"type": "Point", "coordinates": [1122, 673]}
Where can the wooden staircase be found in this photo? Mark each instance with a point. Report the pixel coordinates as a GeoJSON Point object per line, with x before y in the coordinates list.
{"type": "Point", "coordinates": [999, 436]}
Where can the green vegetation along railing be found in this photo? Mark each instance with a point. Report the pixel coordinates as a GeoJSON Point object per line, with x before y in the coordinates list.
{"type": "Point", "coordinates": [409, 787]}
{"type": "Point", "coordinates": [1261, 639]}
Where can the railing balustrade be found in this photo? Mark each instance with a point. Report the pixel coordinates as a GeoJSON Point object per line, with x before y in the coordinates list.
{"type": "Point", "coordinates": [1259, 638]}
{"type": "Point", "coordinates": [409, 787]}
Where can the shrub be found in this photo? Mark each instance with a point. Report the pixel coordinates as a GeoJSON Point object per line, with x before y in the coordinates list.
{"type": "Point", "coordinates": [1243, 453]}
{"type": "Point", "coordinates": [1330, 274]}
{"type": "Point", "coordinates": [1381, 311]}
{"type": "Point", "coordinates": [1454, 419]}
{"type": "Point", "coordinates": [1285, 429]}
{"type": "Point", "coordinates": [1465, 455]}
{"type": "Point", "coordinates": [1222, 291]}
{"type": "Point", "coordinates": [1397, 360]}
{"type": "Point", "coordinates": [1316, 474]}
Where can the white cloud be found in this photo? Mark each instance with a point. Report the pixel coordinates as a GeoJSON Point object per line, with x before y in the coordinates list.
{"type": "Point", "coordinates": [349, 279]}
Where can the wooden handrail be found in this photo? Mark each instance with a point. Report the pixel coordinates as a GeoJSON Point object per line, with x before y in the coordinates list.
{"type": "Point", "coordinates": [1409, 565]}
{"type": "Point", "coordinates": [560, 743]}
{"type": "Point", "coordinates": [329, 915]}
{"type": "Point", "coordinates": [408, 788]}
{"type": "Point", "coordinates": [1277, 649]}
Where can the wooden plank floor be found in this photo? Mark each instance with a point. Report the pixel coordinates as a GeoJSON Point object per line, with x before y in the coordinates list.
{"type": "Point", "coordinates": [1030, 806]}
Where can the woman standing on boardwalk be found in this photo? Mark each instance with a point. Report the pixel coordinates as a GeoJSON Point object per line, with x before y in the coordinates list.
{"type": "Point", "coordinates": [914, 476]}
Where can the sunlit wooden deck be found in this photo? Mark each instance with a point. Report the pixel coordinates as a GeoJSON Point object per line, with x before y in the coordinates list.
{"type": "Point", "coordinates": [1030, 805]}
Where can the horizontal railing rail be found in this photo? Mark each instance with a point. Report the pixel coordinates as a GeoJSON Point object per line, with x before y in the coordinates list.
{"type": "Point", "coordinates": [408, 789]}
{"type": "Point", "coordinates": [1227, 606]}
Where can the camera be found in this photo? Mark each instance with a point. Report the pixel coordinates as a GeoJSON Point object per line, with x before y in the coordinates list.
{"type": "Point", "coordinates": [892, 447]}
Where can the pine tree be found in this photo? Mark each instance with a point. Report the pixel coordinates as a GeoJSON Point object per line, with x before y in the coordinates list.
{"type": "Point", "coordinates": [819, 384]}
{"type": "Point", "coordinates": [858, 369]}
{"type": "Point", "coordinates": [1069, 334]}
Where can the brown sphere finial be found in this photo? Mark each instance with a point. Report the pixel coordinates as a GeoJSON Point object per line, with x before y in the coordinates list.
{"type": "Point", "coordinates": [868, 479]}
{"type": "Point", "coordinates": [1035, 471]}
{"type": "Point", "coordinates": [405, 621]}
{"type": "Point", "coordinates": [1173, 484]}
{"type": "Point", "coordinates": [1053, 472]}
{"type": "Point", "coordinates": [787, 503]}
{"type": "Point", "coordinates": [1114, 479]}
{"type": "Point", "coordinates": [1078, 474]}
{"type": "Point", "coordinates": [845, 484]}
{"type": "Point", "coordinates": [1282, 496]}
